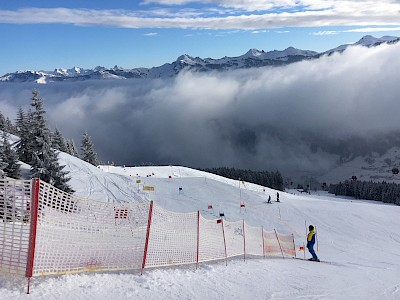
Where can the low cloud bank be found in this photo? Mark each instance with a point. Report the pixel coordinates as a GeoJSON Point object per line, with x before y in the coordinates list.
{"type": "Point", "coordinates": [300, 119]}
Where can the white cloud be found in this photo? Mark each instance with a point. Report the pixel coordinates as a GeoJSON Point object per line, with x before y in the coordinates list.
{"type": "Point", "coordinates": [335, 13]}
{"type": "Point", "coordinates": [297, 117]}
{"type": "Point", "coordinates": [259, 31]}
{"type": "Point", "coordinates": [362, 30]}
{"type": "Point", "coordinates": [150, 34]}
{"type": "Point", "coordinates": [326, 32]}
{"type": "Point", "coordinates": [374, 29]}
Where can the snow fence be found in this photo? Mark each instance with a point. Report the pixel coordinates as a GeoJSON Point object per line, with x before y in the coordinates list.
{"type": "Point", "coordinates": [46, 231]}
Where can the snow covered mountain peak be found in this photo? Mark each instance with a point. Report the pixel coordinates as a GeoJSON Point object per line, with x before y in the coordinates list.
{"type": "Point", "coordinates": [254, 53]}
{"type": "Point", "coordinates": [186, 59]}
{"type": "Point", "coordinates": [368, 40]}
{"type": "Point", "coordinates": [251, 59]}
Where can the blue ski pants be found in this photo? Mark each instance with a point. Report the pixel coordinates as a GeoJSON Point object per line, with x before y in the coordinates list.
{"type": "Point", "coordinates": [311, 249]}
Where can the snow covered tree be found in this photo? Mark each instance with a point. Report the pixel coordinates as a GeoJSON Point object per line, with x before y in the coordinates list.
{"type": "Point", "coordinates": [23, 131]}
{"type": "Point", "coordinates": [10, 157]}
{"type": "Point", "coordinates": [2, 122]}
{"type": "Point", "coordinates": [3, 165]}
{"type": "Point", "coordinates": [44, 160]}
{"type": "Point", "coordinates": [58, 142]}
{"type": "Point", "coordinates": [71, 148]}
{"type": "Point", "coordinates": [88, 153]}
{"type": "Point", "coordinates": [6, 124]}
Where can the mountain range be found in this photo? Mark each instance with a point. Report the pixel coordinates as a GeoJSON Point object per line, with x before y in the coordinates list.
{"type": "Point", "coordinates": [253, 58]}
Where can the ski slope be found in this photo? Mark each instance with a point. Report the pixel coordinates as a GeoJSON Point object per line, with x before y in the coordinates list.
{"type": "Point", "coordinates": [359, 240]}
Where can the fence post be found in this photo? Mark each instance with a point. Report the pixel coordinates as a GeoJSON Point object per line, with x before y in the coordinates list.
{"type": "Point", "coordinates": [35, 187]}
{"type": "Point", "coordinates": [283, 256]}
{"type": "Point", "coordinates": [244, 243]}
{"type": "Point", "coordinates": [294, 246]}
{"type": "Point", "coordinates": [223, 234]}
{"type": "Point", "coordinates": [262, 236]}
{"type": "Point", "coordinates": [147, 236]}
{"type": "Point", "coordinates": [198, 239]}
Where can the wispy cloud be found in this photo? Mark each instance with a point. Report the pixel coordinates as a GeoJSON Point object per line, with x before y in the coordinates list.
{"type": "Point", "coordinates": [151, 34]}
{"type": "Point", "coordinates": [374, 29]}
{"type": "Point", "coordinates": [362, 30]}
{"type": "Point", "coordinates": [260, 5]}
{"type": "Point", "coordinates": [259, 31]}
{"type": "Point", "coordinates": [339, 13]}
{"type": "Point", "coordinates": [326, 32]}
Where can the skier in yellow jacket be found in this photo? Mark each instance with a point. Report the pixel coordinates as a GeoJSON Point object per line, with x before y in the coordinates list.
{"type": "Point", "coordinates": [311, 242]}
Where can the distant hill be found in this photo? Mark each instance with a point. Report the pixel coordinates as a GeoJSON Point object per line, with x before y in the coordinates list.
{"type": "Point", "coordinates": [373, 167]}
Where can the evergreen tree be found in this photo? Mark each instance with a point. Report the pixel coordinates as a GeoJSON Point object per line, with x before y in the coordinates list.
{"type": "Point", "coordinates": [58, 142]}
{"type": "Point", "coordinates": [23, 131]}
{"type": "Point", "coordinates": [44, 161]}
{"type": "Point", "coordinates": [10, 128]}
{"type": "Point", "coordinates": [385, 192]}
{"type": "Point", "coordinates": [88, 153]}
{"type": "Point", "coordinates": [2, 122]}
{"type": "Point", "coordinates": [269, 179]}
{"type": "Point", "coordinates": [71, 148]}
{"type": "Point", "coordinates": [10, 157]}
{"type": "Point", "coordinates": [3, 165]}
{"type": "Point", "coordinates": [6, 124]}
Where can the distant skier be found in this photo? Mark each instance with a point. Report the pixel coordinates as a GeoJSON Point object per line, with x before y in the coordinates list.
{"type": "Point", "coordinates": [277, 197]}
{"type": "Point", "coordinates": [269, 198]}
{"type": "Point", "coordinates": [311, 242]}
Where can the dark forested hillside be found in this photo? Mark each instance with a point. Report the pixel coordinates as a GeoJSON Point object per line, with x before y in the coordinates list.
{"type": "Point", "coordinates": [385, 192]}
{"type": "Point", "coordinates": [272, 180]}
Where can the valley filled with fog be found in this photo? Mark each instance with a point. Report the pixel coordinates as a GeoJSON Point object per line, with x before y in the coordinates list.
{"type": "Point", "coordinates": [301, 119]}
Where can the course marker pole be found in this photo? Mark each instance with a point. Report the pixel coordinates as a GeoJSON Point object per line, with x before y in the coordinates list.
{"type": "Point", "coordinates": [223, 234]}
{"type": "Point", "coordinates": [244, 243]}
{"type": "Point", "coordinates": [198, 239]}
{"type": "Point", "coordinates": [294, 246]}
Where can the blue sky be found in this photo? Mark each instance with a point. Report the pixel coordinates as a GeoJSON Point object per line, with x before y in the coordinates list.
{"type": "Point", "coordinates": [44, 34]}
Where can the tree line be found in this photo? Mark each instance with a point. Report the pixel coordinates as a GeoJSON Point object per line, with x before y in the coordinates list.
{"type": "Point", "coordinates": [272, 180]}
{"type": "Point", "coordinates": [383, 191]}
{"type": "Point", "coordinates": [38, 146]}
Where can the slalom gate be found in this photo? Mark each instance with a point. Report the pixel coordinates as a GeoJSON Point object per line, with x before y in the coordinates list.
{"type": "Point", "coordinates": [47, 231]}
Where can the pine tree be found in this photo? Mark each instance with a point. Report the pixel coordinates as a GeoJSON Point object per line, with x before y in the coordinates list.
{"type": "Point", "coordinates": [23, 131]}
{"type": "Point", "coordinates": [58, 142]}
{"type": "Point", "coordinates": [44, 161]}
{"type": "Point", "coordinates": [10, 158]}
{"type": "Point", "coordinates": [6, 124]}
{"type": "Point", "coordinates": [10, 128]}
{"type": "Point", "coordinates": [2, 122]}
{"type": "Point", "coordinates": [71, 148]}
{"type": "Point", "coordinates": [3, 165]}
{"type": "Point", "coordinates": [88, 153]}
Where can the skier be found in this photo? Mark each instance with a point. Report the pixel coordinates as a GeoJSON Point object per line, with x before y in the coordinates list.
{"type": "Point", "coordinates": [269, 198]}
{"type": "Point", "coordinates": [277, 197]}
{"type": "Point", "coordinates": [311, 242]}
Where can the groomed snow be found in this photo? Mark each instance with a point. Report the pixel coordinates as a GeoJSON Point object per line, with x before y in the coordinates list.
{"type": "Point", "coordinates": [358, 240]}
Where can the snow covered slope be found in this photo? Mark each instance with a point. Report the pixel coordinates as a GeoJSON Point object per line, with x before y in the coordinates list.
{"type": "Point", "coordinates": [359, 240]}
{"type": "Point", "coordinates": [374, 167]}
